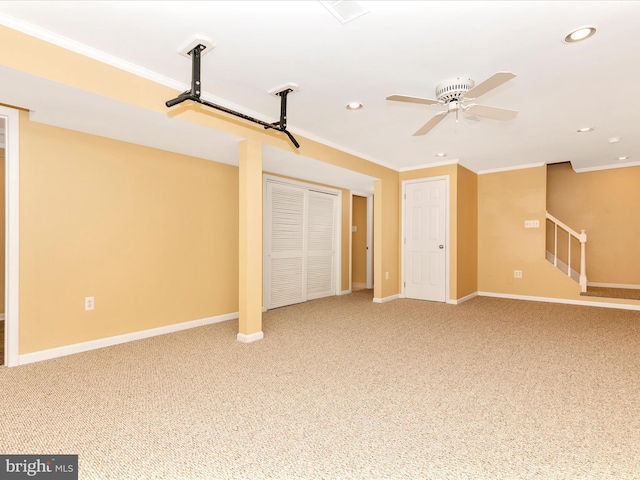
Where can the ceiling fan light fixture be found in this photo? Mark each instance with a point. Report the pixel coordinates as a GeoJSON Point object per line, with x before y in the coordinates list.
{"type": "Point", "coordinates": [580, 34]}
{"type": "Point", "coordinates": [354, 106]}
{"type": "Point", "coordinates": [585, 130]}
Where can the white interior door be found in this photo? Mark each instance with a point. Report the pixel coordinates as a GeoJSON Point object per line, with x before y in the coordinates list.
{"type": "Point", "coordinates": [425, 240]}
{"type": "Point", "coordinates": [300, 244]}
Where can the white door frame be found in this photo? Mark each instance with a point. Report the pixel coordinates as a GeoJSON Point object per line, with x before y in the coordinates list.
{"type": "Point", "coordinates": [337, 226]}
{"type": "Point", "coordinates": [12, 163]}
{"type": "Point", "coordinates": [369, 241]}
{"type": "Point", "coordinates": [446, 230]}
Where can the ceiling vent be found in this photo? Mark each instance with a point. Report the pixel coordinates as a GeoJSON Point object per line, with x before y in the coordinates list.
{"type": "Point", "coordinates": [345, 10]}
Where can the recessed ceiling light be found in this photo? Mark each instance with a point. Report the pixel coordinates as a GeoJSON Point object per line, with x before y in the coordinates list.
{"type": "Point", "coordinates": [441, 154]}
{"type": "Point", "coordinates": [624, 158]}
{"type": "Point", "coordinates": [584, 130]}
{"type": "Point", "coordinates": [580, 34]}
{"type": "Point", "coordinates": [354, 106]}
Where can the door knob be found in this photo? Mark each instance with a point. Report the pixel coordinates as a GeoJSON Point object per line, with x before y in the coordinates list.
{"type": "Point", "coordinates": [440, 247]}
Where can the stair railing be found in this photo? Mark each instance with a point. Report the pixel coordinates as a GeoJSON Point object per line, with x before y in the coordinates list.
{"type": "Point", "coordinates": [581, 237]}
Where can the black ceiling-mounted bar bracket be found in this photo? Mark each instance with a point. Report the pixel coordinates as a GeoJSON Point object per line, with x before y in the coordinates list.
{"type": "Point", "coordinates": [196, 88]}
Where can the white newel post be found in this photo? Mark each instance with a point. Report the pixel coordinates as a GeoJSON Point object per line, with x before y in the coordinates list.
{"type": "Point", "coordinates": [583, 273]}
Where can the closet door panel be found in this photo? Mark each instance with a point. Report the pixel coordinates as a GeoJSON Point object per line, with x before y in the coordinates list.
{"type": "Point", "coordinates": [286, 259]}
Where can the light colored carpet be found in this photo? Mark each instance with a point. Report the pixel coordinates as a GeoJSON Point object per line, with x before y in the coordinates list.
{"type": "Point", "coordinates": [342, 388]}
{"type": "Point", "coordinates": [608, 292]}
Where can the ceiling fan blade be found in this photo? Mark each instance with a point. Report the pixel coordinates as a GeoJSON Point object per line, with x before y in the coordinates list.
{"type": "Point", "coordinates": [489, 84]}
{"type": "Point", "coordinates": [435, 120]}
{"type": "Point", "coordinates": [491, 112]}
{"type": "Point", "coordinates": [407, 98]}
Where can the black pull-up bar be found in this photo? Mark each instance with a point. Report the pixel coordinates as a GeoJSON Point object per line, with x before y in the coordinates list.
{"type": "Point", "coordinates": [196, 88]}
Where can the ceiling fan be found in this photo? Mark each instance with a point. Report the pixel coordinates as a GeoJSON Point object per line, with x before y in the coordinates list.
{"type": "Point", "coordinates": [456, 95]}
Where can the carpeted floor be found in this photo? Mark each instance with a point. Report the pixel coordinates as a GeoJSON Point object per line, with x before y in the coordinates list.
{"type": "Point", "coordinates": [626, 293]}
{"type": "Point", "coordinates": [342, 388]}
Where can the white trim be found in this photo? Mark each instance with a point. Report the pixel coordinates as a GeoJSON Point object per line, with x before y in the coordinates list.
{"type": "Point", "coordinates": [386, 299]}
{"type": "Point", "coordinates": [118, 339]}
{"type": "Point", "coordinates": [345, 292]}
{"type": "Point", "coordinates": [338, 244]}
{"type": "Point", "coordinates": [113, 61]}
{"type": "Point", "coordinates": [368, 241]}
{"type": "Point", "coordinates": [360, 194]}
{"type": "Point", "coordinates": [369, 274]}
{"type": "Point", "coordinates": [463, 299]}
{"type": "Point", "coordinates": [621, 306]}
{"type": "Point", "coordinates": [605, 167]}
{"type": "Point", "coordinates": [12, 240]}
{"type": "Point", "coordinates": [614, 285]}
{"type": "Point", "coordinates": [507, 169]}
{"type": "Point", "coordinates": [457, 161]}
{"type": "Point", "coordinates": [300, 183]}
{"type": "Point", "coordinates": [429, 165]}
{"type": "Point", "coordinates": [447, 179]}
{"type": "Point", "coordinates": [254, 337]}
{"type": "Point", "coordinates": [350, 243]}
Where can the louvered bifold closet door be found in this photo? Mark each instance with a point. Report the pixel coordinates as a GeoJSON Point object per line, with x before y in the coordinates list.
{"type": "Point", "coordinates": [320, 245]}
{"type": "Point", "coordinates": [285, 262]}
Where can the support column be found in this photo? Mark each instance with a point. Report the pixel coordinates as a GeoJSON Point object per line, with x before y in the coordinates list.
{"type": "Point", "coordinates": [250, 242]}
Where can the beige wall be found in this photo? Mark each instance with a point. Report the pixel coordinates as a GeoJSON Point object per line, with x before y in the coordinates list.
{"type": "Point", "coordinates": [57, 314]}
{"type": "Point", "coordinates": [505, 201]}
{"type": "Point", "coordinates": [359, 240]}
{"type": "Point", "coordinates": [467, 233]}
{"type": "Point", "coordinates": [152, 235]}
{"type": "Point", "coordinates": [606, 204]}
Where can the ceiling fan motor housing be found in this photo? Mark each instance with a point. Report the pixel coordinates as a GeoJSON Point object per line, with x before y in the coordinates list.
{"type": "Point", "coordinates": [453, 89]}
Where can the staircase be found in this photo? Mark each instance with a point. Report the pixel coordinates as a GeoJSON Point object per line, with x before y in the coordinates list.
{"type": "Point", "coordinates": [558, 252]}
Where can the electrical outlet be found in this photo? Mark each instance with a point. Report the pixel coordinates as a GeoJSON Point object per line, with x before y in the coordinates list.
{"type": "Point", "coordinates": [89, 303]}
{"type": "Point", "coordinates": [517, 274]}
{"type": "Point", "coordinates": [532, 224]}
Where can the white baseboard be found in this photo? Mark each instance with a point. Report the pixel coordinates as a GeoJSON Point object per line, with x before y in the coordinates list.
{"type": "Point", "coordinates": [463, 299]}
{"type": "Point", "coordinates": [250, 338]}
{"type": "Point", "coordinates": [345, 292]}
{"type": "Point", "coordinates": [358, 285]}
{"type": "Point", "coordinates": [613, 285]}
{"type": "Point", "coordinates": [621, 306]}
{"type": "Point", "coordinates": [118, 339]}
{"type": "Point", "coordinates": [385, 299]}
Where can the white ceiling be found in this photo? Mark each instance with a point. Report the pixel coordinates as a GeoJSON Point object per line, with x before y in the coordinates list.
{"type": "Point", "coordinates": [396, 48]}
